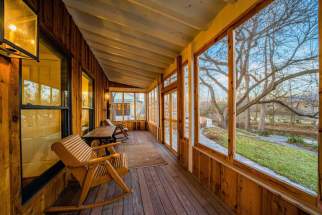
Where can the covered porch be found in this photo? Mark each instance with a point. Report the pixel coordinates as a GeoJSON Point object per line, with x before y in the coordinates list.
{"type": "Point", "coordinates": [185, 107]}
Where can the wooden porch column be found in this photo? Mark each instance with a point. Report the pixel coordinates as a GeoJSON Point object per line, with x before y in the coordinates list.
{"type": "Point", "coordinates": [161, 108]}
{"type": "Point", "coordinates": [180, 105]}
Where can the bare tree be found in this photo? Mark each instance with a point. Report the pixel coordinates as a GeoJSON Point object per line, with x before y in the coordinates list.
{"type": "Point", "coordinates": [274, 49]}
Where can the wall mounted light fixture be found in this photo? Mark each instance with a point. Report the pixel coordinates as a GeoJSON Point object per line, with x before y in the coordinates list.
{"type": "Point", "coordinates": [18, 30]}
{"type": "Point", "coordinates": [106, 95]}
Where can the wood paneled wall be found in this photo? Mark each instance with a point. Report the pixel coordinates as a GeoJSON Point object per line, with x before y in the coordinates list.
{"type": "Point", "coordinates": [154, 130]}
{"type": "Point", "coordinates": [58, 25]}
{"type": "Point", "coordinates": [246, 195]}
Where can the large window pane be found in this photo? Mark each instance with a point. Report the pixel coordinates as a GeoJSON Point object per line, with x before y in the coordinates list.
{"type": "Point", "coordinates": [87, 103]}
{"type": "Point", "coordinates": [213, 85]}
{"type": "Point", "coordinates": [42, 80]}
{"type": "Point", "coordinates": [128, 103]}
{"type": "Point", "coordinates": [167, 132]}
{"type": "Point", "coordinates": [174, 136]}
{"type": "Point", "coordinates": [277, 91]}
{"type": "Point", "coordinates": [140, 106]}
{"type": "Point", "coordinates": [153, 106]}
{"type": "Point", "coordinates": [44, 114]}
{"type": "Point", "coordinates": [117, 107]}
{"type": "Point", "coordinates": [39, 129]}
{"type": "Point", "coordinates": [186, 101]}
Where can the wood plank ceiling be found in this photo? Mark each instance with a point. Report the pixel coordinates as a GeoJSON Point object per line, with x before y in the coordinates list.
{"type": "Point", "coordinates": [136, 40]}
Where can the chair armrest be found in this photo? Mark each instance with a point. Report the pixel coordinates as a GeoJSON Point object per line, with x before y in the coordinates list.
{"type": "Point", "coordinates": [96, 161]}
{"type": "Point", "coordinates": [106, 146]}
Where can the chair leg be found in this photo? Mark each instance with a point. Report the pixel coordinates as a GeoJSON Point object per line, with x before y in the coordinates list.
{"type": "Point", "coordinates": [56, 209]}
{"type": "Point", "coordinates": [86, 185]}
{"type": "Point", "coordinates": [117, 178]}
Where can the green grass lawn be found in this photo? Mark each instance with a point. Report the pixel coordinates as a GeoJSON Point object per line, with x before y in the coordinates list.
{"type": "Point", "coordinates": [295, 164]}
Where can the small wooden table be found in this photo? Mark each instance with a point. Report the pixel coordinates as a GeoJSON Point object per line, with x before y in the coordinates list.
{"type": "Point", "coordinates": [101, 133]}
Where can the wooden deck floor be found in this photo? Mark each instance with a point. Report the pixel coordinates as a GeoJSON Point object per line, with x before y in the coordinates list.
{"type": "Point", "coordinates": [164, 189]}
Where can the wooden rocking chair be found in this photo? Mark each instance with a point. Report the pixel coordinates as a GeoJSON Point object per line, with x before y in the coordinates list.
{"type": "Point", "coordinates": [90, 170]}
{"type": "Point", "coordinates": [120, 129]}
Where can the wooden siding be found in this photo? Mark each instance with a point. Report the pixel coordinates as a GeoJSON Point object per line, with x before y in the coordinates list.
{"type": "Point", "coordinates": [244, 194]}
{"type": "Point", "coordinates": [58, 25]}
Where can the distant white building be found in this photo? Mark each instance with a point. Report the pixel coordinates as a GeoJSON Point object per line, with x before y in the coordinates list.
{"type": "Point", "coordinates": [206, 122]}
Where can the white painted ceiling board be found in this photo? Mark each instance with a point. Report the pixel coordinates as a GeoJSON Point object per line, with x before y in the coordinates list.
{"type": "Point", "coordinates": [136, 40]}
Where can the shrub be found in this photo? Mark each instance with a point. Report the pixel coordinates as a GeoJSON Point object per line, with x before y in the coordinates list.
{"type": "Point", "coordinates": [263, 133]}
{"type": "Point", "coordinates": [296, 140]}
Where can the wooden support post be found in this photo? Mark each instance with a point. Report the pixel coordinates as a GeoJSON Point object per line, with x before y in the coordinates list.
{"type": "Point", "coordinates": [231, 98]}
{"type": "Point", "coordinates": [180, 105]}
{"type": "Point", "coordinates": [196, 99]}
{"type": "Point", "coordinates": [320, 114]}
{"type": "Point", "coordinates": [161, 108]}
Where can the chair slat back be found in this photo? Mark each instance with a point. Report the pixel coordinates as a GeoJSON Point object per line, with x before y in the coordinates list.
{"type": "Point", "coordinates": [72, 150]}
{"type": "Point", "coordinates": [109, 122]}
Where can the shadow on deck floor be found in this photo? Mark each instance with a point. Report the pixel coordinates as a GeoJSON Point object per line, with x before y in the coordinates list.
{"type": "Point", "coordinates": [162, 189]}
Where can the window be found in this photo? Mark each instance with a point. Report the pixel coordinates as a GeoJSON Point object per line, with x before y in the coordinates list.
{"type": "Point", "coordinates": [171, 79]}
{"type": "Point", "coordinates": [117, 107]}
{"type": "Point", "coordinates": [44, 116]}
{"type": "Point", "coordinates": [140, 106]}
{"type": "Point", "coordinates": [213, 85]}
{"type": "Point", "coordinates": [127, 106]}
{"type": "Point", "coordinates": [87, 103]}
{"type": "Point", "coordinates": [186, 100]}
{"type": "Point", "coordinates": [153, 106]}
{"type": "Point", "coordinates": [170, 121]}
{"type": "Point", "coordinates": [277, 91]}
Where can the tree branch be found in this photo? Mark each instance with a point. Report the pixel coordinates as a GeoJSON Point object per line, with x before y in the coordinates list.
{"type": "Point", "coordinates": [314, 115]}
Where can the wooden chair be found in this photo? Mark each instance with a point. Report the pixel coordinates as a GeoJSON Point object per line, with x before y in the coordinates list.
{"type": "Point", "coordinates": [120, 129]}
{"type": "Point", "coordinates": [91, 170]}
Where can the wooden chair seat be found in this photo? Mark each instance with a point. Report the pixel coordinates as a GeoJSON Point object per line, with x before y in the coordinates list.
{"type": "Point", "coordinates": [90, 170]}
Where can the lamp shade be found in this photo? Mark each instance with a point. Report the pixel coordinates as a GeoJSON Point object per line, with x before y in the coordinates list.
{"type": "Point", "coordinates": [19, 30]}
{"type": "Point", "coordinates": [106, 96]}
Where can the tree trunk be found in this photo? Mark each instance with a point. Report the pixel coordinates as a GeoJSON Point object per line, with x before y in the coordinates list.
{"type": "Point", "coordinates": [247, 112]}
{"type": "Point", "coordinates": [247, 119]}
{"type": "Point", "coordinates": [261, 123]}
{"type": "Point", "coordinates": [224, 120]}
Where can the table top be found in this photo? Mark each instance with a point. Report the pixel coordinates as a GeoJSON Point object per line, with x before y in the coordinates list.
{"type": "Point", "coordinates": [101, 132]}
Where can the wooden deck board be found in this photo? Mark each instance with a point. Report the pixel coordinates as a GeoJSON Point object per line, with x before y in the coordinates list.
{"type": "Point", "coordinates": [165, 189]}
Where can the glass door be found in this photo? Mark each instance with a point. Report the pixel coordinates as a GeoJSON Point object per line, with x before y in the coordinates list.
{"type": "Point", "coordinates": [174, 127]}
{"type": "Point", "coordinates": [170, 121]}
{"type": "Point", "coordinates": [167, 119]}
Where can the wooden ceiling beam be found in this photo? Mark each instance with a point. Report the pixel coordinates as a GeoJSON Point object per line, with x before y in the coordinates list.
{"type": "Point", "coordinates": [127, 52]}
{"type": "Point", "coordinates": [134, 64]}
{"type": "Point", "coordinates": [134, 71]}
{"type": "Point", "coordinates": [129, 75]}
{"type": "Point", "coordinates": [109, 11]}
{"type": "Point", "coordinates": [136, 83]}
{"type": "Point", "coordinates": [84, 18]}
{"type": "Point", "coordinates": [127, 55]}
{"type": "Point", "coordinates": [128, 40]}
{"type": "Point", "coordinates": [129, 68]}
{"type": "Point", "coordinates": [142, 61]}
{"type": "Point", "coordinates": [105, 39]}
{"type": "Point", "coordinates": [169, 14]}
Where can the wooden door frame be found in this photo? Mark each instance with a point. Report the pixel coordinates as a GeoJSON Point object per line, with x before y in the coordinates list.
{"type": "Point", "coordinates": [169, 146]}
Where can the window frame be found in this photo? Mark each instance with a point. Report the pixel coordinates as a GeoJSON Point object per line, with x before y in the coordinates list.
{"type": "Point", "coordinates": [66, 119]}
{"type": "Point", "coordinates": [186, 104]}
{"type": "Point", "coordinates": [134, 102]}
{"type": "Point", "coordinates": [230, 160]}
{"type": "Point", "coordinates": [91, 114]}
{"type": "Point", "coordinates": [154, 106]}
